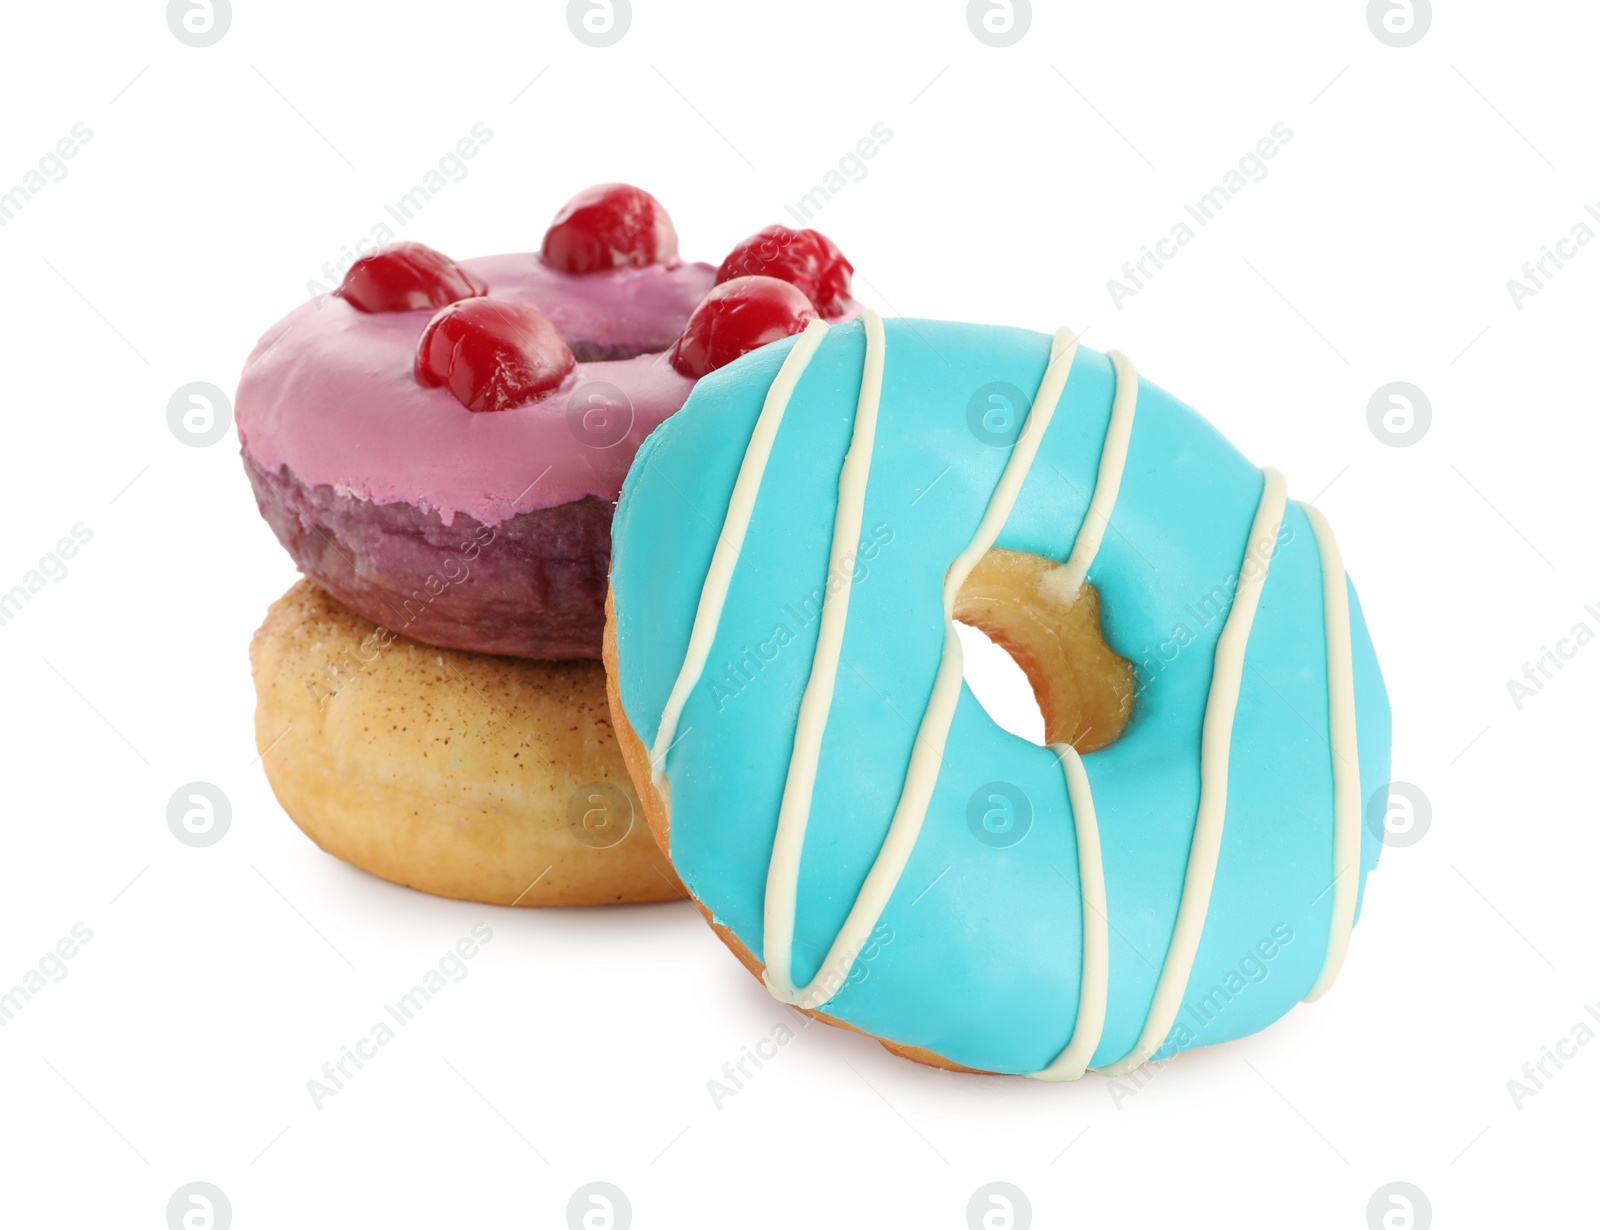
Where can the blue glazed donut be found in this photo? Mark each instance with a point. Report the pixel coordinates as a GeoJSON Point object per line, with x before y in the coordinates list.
{"type": "Point", "coordinates": [787, 684]}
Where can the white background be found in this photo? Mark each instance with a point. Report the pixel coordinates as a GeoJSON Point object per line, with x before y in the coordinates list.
{"type": "Point", "coordinates": [218, 981]}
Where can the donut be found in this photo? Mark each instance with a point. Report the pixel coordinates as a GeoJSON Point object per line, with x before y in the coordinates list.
{"type": "Point", "coordinates": [1177, 867]}
{"type": "Point", "coordinates": [440, 445]}
{"type": "Point", "coordinates": [464, 775]}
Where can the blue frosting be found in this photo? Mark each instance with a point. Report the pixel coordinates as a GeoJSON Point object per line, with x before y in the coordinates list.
{"type": "Point", "coordinates": [984, 967]}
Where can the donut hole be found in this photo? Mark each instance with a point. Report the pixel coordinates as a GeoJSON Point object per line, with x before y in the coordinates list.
{"type": "Point", "coordinates": [1083, 688]}
{"type": "Point", "coordinates": [593, 352]}
{"type": "Point", "coordinates": [1001, 686]}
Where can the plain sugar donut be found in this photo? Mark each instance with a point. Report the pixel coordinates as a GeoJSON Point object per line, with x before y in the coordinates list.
{"type": "Point", "coordinates": [460, 774]}
{"type": "Point", "coordinates": [790, 550]}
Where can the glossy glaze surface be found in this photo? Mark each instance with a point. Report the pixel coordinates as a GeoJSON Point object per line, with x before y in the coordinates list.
{"type": "Point", "coordinates": [979, 952]}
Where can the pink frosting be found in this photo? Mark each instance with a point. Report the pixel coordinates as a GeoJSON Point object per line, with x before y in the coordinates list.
{"type": "Point", "coordinates": [329, 393]}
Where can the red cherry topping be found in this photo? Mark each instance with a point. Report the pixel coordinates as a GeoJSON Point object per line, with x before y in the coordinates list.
{"type": "Point", "coordinates": [492, 354]}
{"type": "Point", "coordinates": [735, 318]}
{"type": "Point", "coordinates": [405, 277]}
{"type": "Point", "coordinates": [809, 259]}
{"type": "Point", "coordinates": [610, 226]}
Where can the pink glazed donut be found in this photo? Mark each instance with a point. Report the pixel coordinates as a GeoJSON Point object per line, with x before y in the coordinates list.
{"type": "Point", "coordinates": [441, 445]}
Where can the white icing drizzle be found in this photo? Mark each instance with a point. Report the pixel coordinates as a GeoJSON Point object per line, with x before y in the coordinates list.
{"type": "Point", "coordinates": [783, 873]}
{"type": "Point", "coordinates": [1342, 738]}
{"type": "Point", "coordinates": [741, 504]}
{"type": "Point", "coordinates": [1216, 739]}
{"type": "Point", "coordinates": [928, 749]}
{"type": "Point", "coordinates": [1066, 582]}
{"type": "Point", "coordinates": [1095, 987]}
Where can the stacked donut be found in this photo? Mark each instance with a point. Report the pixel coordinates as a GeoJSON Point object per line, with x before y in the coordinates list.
{"type": "Point", "coordinates": [810, 498]}
{"type": "Point", "coordinates": [439, 446]}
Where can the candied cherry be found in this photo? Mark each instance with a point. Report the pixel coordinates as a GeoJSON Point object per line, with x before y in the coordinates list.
{"type": "Point", "coordinates": [405, 277]}
{"type": "Point", "coordinates": [492, 354]}
{"type": "Point", "coordinates": [610, 226]}
{"type": "Point", "coordinates": [808, 259]}
{"type": "Point", "coordinates": [735, 318]}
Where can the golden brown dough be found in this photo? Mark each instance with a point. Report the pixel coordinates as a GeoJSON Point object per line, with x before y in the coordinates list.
{"type": "Point", "coordinates": [1084, 689]}
{"type": "Point", "coordinates": [465, 775]}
